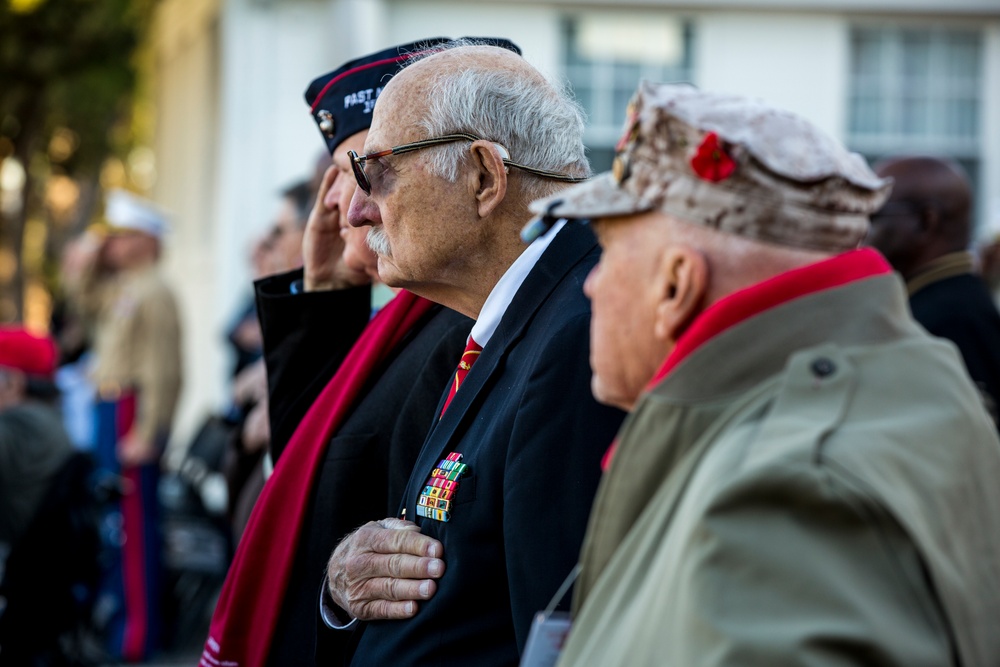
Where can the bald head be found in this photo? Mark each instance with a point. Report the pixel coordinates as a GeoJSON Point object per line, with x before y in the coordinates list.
{"type": "Point", "coordinates": [440, 63]}
{"type": "Point", "coordinates": [927, 215]}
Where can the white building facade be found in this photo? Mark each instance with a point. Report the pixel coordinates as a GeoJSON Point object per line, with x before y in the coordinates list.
{"type": "Point", "coordinates": [885, 76]}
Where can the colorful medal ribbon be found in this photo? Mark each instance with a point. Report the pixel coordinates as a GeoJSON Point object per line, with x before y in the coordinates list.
{"type": "Point", "coordinates": [435, 500]}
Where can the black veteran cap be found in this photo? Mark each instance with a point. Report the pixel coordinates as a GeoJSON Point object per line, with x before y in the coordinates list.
{"type": "Point", "coordinates": [341, 101]}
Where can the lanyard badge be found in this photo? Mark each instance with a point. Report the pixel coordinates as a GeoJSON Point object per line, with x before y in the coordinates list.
{"type": "Point", "coordinates": [549, 630]}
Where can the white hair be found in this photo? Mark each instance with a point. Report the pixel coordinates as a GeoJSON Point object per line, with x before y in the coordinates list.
{"type": "Point", "coordinates": [539, 124]}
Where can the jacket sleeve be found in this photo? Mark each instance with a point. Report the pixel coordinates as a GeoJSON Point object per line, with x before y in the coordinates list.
{"type": "Point", "coordinates": [158, 354]}
{"type": "Point", "coordinates": [799, 567]}
{"type": "Point", "coordinates": [552, 471]}
{"type": "Point", "coordinates": [306, 337]}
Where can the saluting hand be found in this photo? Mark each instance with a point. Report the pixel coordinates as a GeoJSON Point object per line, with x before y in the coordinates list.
{"type": "Point", "coordinates": [322, 245]}
{"type": "Point", "coordinates": [382, 569]}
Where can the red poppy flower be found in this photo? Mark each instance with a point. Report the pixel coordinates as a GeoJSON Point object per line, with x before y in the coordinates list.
{"type": "Point", "coordinates": [631, 127]}
{"type": "Point", "coordinates": [711, 161]}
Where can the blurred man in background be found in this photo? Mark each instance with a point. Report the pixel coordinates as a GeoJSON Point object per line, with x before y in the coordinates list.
{"type": "Point", "coordinates": [48, 529]}
{"type": "Point", "coordinates": [33, 442]}
{"type": "Point", "coordinates": [925, 231]}
{"type": "Point", "coordinates": [289, 228]}
{"type": "Point", "coordinates": [73, 337]}
{"type": "Point", "coordinates": [246, 465]}
{"type": "Point", "coordinates": [137, 373]}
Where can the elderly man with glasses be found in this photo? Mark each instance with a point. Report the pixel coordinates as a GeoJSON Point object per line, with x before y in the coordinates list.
{"type": "Point", "coordinates": [490, 524]}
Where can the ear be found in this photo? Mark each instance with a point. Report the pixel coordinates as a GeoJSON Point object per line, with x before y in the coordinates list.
{"type": "Point", "coordinates": [489, 176]}
{"type": "Point", "coordinates": [681, 279]}
{"type": "Point", "coordinates": [930, 221]}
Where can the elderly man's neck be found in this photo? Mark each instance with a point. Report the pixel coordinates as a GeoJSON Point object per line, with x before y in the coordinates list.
{"type": "Point", "coordinates": [472, 280]}
{"type": "Point", "coordinates": [736, 262]}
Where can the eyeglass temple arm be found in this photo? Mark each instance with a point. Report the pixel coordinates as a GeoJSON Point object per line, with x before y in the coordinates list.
{"type": "Point", "coordinates": [460, 136]}
{"type": "Point", "coordinates": [446, 139]}
{"type": "Point", "coordinates": [555, 175]}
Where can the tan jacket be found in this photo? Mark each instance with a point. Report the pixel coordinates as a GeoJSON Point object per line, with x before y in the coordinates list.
{"type": "Point", "coordinates": [137, 345]}
{"type": "Point", "coordinates": [814, 486]}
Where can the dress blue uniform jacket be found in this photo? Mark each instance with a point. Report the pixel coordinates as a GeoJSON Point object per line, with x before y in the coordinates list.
{"type": "Point", "coordinates": [532, 436]}
{"type": "Point", "coordinates": [369, 458]}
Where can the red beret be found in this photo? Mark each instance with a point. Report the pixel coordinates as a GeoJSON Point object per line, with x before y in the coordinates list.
{"type": "Point", "coordinates": [34, 355]}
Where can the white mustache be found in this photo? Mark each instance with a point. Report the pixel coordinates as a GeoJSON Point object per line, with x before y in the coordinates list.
{"type": "Point", "coordinates": [378, 242]}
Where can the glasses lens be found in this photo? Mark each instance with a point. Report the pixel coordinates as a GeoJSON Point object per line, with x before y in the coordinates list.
{"type": "Point", "coordinates": [357, 165]}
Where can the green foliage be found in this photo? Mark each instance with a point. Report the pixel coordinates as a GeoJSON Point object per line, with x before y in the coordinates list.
{"type": "Point", "coordinates": [69, 64]}
{"type": "Point", "coordinates": [67, 70]}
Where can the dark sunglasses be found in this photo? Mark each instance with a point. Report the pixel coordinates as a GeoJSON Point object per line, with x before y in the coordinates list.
{"type": "Point", "coordinates": [358, 161]}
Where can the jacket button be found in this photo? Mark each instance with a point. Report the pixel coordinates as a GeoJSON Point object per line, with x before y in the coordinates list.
{"type": "Point", "coordinates": [823, 367]}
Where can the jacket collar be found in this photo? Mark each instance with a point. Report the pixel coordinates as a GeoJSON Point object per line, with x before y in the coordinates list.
{"type": "Point", "coordinates": [730, 352]}
{"type": "Point", "coordinates": [570, 246]}
{"type": "Point", "coordinates": [740, 306]}
{"type": "Point", "coordinates": [567, 249]}
{"type": "Point", "coordinates": [755, 302]}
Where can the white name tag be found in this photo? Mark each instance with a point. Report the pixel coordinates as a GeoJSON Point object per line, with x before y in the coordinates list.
{"type": "Point", "coordinates": [546, 639]}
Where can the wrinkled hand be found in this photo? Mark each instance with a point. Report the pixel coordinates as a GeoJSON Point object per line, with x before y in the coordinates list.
{"type": "Point", "coordinates": [382, 569]}
{"type": "Point", "coordinates": [322, 245]}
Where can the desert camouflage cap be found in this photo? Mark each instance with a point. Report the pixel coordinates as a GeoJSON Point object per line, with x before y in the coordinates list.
{"type": "Point", "coordinates": [733, 164]}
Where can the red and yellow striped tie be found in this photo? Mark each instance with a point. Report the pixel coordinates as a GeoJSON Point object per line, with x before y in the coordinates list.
{"type": "Point", "coordinates": [472, 350]}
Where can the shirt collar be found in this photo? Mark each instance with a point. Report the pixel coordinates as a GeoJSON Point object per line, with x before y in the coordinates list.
{"type": "Point", "coordinates": [503, 292]}
{"type": "Point", "coordinates": [947, 266]}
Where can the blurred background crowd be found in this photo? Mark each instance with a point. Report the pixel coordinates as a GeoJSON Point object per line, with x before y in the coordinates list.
{"type": "Point", "coordinates": [197, 105]}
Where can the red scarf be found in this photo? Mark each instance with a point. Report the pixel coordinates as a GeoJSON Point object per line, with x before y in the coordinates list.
{"type": "Point", "coordinates": [744, 304]}
{"type": "Point", "coordinates": [252, 596]}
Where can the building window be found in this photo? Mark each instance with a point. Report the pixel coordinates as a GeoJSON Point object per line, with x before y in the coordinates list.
{"type": "Point", "coordinates": [917, 91]}
{"type": "Point", "coordinates": [606, 55]}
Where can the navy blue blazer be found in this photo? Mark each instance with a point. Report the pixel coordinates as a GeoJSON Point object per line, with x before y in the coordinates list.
{"type": "Point", "coordinates": [532, 437]}
{"type": "Point", "coordinates": [961, 309]}
{"type": "Point", "coordinates": [369, 458]}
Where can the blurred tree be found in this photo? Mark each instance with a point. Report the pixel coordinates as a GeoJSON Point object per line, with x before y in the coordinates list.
{"type": "Point", "coordinates": [67, 78]}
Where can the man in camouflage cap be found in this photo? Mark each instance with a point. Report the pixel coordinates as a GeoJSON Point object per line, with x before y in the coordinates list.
{"type": "Point", "coordinates": [806, 477]}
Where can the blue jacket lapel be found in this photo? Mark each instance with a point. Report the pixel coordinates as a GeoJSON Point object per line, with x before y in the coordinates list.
{"type": "Point", "coordinates": [572, 244]}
